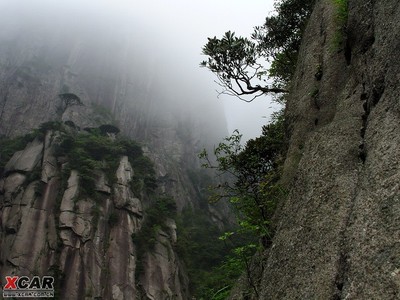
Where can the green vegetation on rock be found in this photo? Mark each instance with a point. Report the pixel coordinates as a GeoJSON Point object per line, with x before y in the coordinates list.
{"type": "Point", "coordinates": [252, 186]}
{"type": "Point", "coordinates": [341, 20]}
{"type": "Point", "coordinates": [8, 146]}
{"type": "Point", "coordinates": [253, 189]}
{"type": "Point", "coordinates": [95, 151]}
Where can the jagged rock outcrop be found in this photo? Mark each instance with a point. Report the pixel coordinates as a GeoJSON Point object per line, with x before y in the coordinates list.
{"type": "Point", "coordinates": [164, 274]}
{"type": "Point", "coordinates": [337, 236]}
{"type": "Point", "coordinates": [48, 227]}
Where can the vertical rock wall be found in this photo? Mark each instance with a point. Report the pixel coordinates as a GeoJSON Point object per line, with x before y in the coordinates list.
{"type": "Point", "coordinates": [47, 227]}
{"type": "Point", "coordinates": [338, 232]}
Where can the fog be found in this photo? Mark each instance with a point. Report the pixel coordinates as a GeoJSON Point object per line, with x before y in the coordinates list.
{"type": "Point", "coordinates": [160, 41]}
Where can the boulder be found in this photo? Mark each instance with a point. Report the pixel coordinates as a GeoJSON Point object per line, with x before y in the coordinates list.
{"type": "Point", "coordinates": [27, 159]}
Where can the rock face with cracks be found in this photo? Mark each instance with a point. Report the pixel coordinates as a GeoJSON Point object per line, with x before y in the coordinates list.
{"type": "Point", "coordinates": [49, 228]}
{"type": "Point", "coordinates": [337, 235]}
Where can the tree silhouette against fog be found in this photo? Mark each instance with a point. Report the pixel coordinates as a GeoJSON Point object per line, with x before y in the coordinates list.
{"type": "Point", "coordinates": [237, 61]}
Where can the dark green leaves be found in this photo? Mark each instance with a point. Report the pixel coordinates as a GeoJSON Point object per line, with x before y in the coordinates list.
{"type": "Point", "coordinates": [251, 175]}
{"type": "Point", "coordinates": [235, 62]}
{"type": "Point", "coordinates": [238, 61]}
{"type": "Point", "coordinates": [279, 38]}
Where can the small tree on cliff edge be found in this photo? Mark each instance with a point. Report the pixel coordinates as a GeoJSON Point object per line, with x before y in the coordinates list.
{"type": "Point", "coordinates": [237, 61]}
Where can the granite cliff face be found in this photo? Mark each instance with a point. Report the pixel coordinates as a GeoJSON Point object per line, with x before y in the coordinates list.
{"type": "Point", "coordinates": [46, 225]}
{"type": "Point", "coordinates": [50, 227]}
{"type": "Point", "coordinates": [337, 236]}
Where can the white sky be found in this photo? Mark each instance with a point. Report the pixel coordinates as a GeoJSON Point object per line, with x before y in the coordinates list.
{"type": "Point", "coordinates": [174, 32]}
{"type": "Point", "coordinates": [187, 24]}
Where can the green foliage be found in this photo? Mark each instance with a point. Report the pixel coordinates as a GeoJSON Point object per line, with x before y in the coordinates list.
{"type": "Point", "coordinates": [279, 38]}
{"type": "Point", "coordinates": [51, 125]}
{"type": "Point", "coordinates": [218, 282]}
{"type": "Point", "coordinates": [44, 127]}
{"type": "Point", "coordinates": [108, 128]}
{"type": "Point", "coordinates": [94, 151]}
{"type": "Point", "coordinates": [71, 124]}
{"type": "Point", "coordinates": [342, 11]}
{"type": "Point", "coordinates": [253, 190]}
{"type": "Point", "coordinates": [133, 150]}
{"type": "Point", "coordinates": [156, 215]}
{"type": "Point", "coordinates": [341, 20]}
{"type": "Point", "coordinates": [251, 174]}
{"type": "Point", "coordinates": [237, 61]}
{"type": "Point", "coordinates": [70, 99]}
{"type": "Point", "coordinates": [209, 260]}
{"type": "Point", "coordinates": [144, 178]}
{"type": "Point", "coordinates": [255, 169]}
{"type": "Point", "coordinates": [90, 152]}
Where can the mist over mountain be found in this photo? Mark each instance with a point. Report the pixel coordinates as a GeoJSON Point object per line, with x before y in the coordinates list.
{"type": "Point", "coordinates": [100, 128]}
{"type": "Point", "coordinates": [102, 118]}
{"type": "Point", "coordinates": [108, 46]}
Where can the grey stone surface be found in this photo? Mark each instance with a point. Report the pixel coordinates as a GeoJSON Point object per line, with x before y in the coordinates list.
{"type": "Point", "coordinates": [337, 234]}
{"type": "Point", "coordinates": [49, 164]}
{"type": "Point", "coordinates": [45, 223]}
{"type": "Point", "coordinates": [163, 272]}
{"type": "Point", "coordinates": [25, 160]}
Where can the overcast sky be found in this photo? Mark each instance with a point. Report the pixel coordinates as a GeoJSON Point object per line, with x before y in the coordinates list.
{"type": "Point", "coordinates": [189, 23]}
{"type": "Point", "coordinates": [182, 27]}
{"type": "Point", "coordinates": [173, 31]}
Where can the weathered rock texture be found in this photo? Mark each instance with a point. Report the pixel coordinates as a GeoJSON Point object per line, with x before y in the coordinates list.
{"type": "Point", "coordinates": [164, 276]}
{"type": "Point", "coordinates": [49, 228]}
{"type": "Point", "coordinates": [339, 229]}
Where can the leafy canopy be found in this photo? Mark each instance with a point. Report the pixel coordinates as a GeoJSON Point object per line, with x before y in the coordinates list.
{"type": "Point", "coordinates": [238, 62]}
{"type": "Point", "coordinates": [235, 62]}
